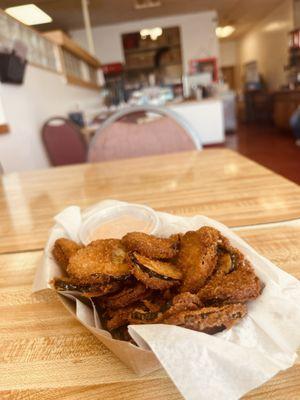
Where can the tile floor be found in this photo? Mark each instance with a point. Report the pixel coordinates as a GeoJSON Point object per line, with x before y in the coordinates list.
{"type": "Point", "coordinates": [268, 146]}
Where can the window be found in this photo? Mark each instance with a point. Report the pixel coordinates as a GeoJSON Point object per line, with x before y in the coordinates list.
{"type": "Point", "coordinates": [40, 50]}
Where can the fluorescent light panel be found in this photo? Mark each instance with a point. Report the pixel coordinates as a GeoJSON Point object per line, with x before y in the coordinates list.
{"type": "Point", "coordinates": [29, 14]}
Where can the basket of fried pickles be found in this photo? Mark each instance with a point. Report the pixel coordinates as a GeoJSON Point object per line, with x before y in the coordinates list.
{"type": "Point", "coordinates": [196, 280]}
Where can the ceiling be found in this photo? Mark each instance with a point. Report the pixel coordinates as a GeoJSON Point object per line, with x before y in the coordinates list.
{"type": "Point", "coordinates": [67, 14]}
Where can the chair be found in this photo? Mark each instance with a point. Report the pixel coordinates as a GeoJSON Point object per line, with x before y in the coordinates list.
{"type": "Point", "coordinates": [64, 142]}
{"type": "Point", "coordinates": [116, 139]}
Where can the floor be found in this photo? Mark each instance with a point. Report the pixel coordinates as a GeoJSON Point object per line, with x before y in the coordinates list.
{"type": "Point", "coordinates": [268, 146]}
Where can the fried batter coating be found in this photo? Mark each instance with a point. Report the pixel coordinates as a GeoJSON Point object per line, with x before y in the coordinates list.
{"type": "Point", "coordinates": [151, 246]}
{"type": "Point", "coordinates": [101, 261]}
{"type": "Point", "coordinates": [122, 334]}
{"type": "Point", "coordinates": [229, 258]}
{"type": "Point", "coordinates": [142, 312]}
{"type": "Point", "coordinates": [127, 296]}
{"type": "Point", "coordinates": [196, 280]}
{"type": "Point", "coordinates": [198, 257]}
{"type": "Point", "coordinates": [114, 319]}
{"type": "Point", "coordinates": [238, 286]}
{"type": "Point", "coordinates": [210, 319]}
{"type": "Point", "coordinates": [145, 312]}
{"type": "Point", "coordinates": [154, 311]}
{"type": "Point", "coordinates": [225, 263]}
{"type": "Point", "coordinates": [62, 251]}
{"type": "Point", "coordinates": [181, 302]}
{"type": "Point", "coordinates": [87, 290]}
{"type": "Point", "coordinates": [153, 273]}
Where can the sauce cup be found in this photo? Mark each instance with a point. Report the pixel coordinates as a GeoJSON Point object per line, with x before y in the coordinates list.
{"type": "Point", "coordinates": [116, 221]}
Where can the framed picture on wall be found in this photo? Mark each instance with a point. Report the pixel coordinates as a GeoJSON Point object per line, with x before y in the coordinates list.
{"type": "Point", "coordinates": [197, 66]}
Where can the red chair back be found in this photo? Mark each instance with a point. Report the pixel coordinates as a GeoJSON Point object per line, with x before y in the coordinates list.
{"type": "Point", "coordinates": [127, 140]}
{"type": "Point", "coordinates": [64, 142]}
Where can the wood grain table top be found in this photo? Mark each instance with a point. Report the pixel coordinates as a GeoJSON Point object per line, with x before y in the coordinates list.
{"type": "Point", "coordinates": [218, 183]}
{"type": "Point", "coordinates": [46, 354]}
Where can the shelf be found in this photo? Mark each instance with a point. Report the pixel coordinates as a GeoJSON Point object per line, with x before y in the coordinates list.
{"type": "Point", "coordinates": [146, 49]}
{"type": "Point", "coordinates": [171, 64]}
{"type": "Point", "coordinates": [63, 40]}
{"type": "Point", "coordinates": [74, 80]}
{"type": "Point", "coordinates": [129, 69]}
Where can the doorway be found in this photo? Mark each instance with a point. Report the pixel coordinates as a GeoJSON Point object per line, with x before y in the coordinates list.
{"type": "Point", "coordinates": [229, 75]}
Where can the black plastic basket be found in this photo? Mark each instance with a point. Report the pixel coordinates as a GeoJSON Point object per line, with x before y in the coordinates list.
{"type": "Point", "coordinates": [12, 68]}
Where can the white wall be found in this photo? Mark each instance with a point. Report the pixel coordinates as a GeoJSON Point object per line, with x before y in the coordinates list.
{"type": "Point", "coordinates": [297, 14]}
{"type": "Point", "coordinates": [267, 43]}
{"type": "Point", "coordinates": [26, 107]}
{"type": "Point", "coordinates": [198, 39]}
{"type": "Point", "coordinates": [2, 115]}
{"type": "Point", "coordinates": [228, 53]}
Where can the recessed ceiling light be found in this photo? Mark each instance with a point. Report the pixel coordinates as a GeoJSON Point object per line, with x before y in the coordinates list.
{"type": "Point", "coordinates": [224, 31]}
{"type": "Point", "coordinates": [29, 14]}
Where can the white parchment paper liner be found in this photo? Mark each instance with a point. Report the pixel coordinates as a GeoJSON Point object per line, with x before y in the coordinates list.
{"type": "Point", "coordinates": [224, 366]}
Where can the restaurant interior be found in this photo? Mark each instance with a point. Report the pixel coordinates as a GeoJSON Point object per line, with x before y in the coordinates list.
{"type": "Point", "coordinates": [72, 74]}
{"type": "Point", "coordinates": [149, 199]}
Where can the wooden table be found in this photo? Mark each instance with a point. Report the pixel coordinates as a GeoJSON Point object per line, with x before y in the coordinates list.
{"type": "Point", "coordinates": [218, 183]}
{"type": "Point", "coordinates": [45, 353]}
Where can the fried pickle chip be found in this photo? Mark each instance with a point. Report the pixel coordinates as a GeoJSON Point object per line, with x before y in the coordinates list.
{"type": "Point", "coordinates": [63, 249]}
{"type": "Point", "coordinates": [125, 297]}
{"type": "Point", "coordinates": [153, 273]}
{"type": "Point", "coordinates": [196, 280]}
{"type": "Point", "coordinates": [151, 246]}
{"type": "Point", "coordinates": [153, 311]}
{"type": "Point", "coordinates": [209, 320]}
{"type": "Point", "coordinates": [225, 263]}
{"type": "Point", "coordinates": [229, 258]}
{"type": "Point", "coordinates": [142, 312]}
{"type": "Point", "coordinates": [122, 333]}
{"type": "Point", "coordinates": [198, 257]}
{"type": "Point", "coordinates": [101, 261]}
{"type": "Point", "coordinates": [87, 290]}
{"type": "Point", "coordinates": [145, 313]}
{"type": "Point", "coordinates": [181, 302]}
{"type": "Point", "coordinates": [238, 286]}
{"type": "Point", "coordinates": [114, 319]}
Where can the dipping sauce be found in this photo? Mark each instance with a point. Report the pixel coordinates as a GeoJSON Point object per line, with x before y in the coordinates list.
{"type": "Point", "coordinates": [115, 221]}
{"type": "Point", "coordinates": [118, 227]}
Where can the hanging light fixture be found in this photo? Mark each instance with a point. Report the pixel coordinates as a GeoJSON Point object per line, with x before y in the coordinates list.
{"type": "Point", "coordinates": [224, 31]}
{"type": "Point", "coordinates": [154, 33]}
